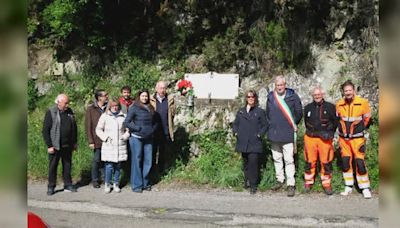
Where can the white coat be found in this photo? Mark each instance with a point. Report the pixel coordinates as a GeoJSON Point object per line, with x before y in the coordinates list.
{"type": "Point", "coordinates": [114, 135]}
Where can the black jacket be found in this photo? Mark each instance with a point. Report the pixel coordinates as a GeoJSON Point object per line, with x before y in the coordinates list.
{"type": "Point", "coordinates": [279, 129]}
{"type": "Point", "coordinates": [249, 129]}
{"type": "Point", "coordinates": [141, 121]}
{"type": "Point", "coordinates": [320, 120]}
{"type": "Point", "coordinates": [66, 133]}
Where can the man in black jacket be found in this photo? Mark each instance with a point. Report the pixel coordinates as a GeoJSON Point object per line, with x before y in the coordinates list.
{"type": "Point", "coordinates": [321, 122]}
{"type": "Point", "coordinates": [60, 135]}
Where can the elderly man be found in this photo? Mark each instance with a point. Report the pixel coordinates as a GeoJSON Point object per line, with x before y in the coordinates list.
{"type": "Point", "coordinates": [284, 112]}
{"type": "Point", "coordinates": [60, 135]}
{"type": "Point", "coordinates": [321, 122]}
{"type": "Point", "coordinates": [92, 116]}
{"type": "Point", "coordinates": [164, 105]}
{"type": "Point", "coordinates": [354, 115]}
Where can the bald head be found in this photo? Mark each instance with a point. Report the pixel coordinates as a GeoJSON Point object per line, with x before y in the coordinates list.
{"type": "Point", "coordinates": [62, 102]}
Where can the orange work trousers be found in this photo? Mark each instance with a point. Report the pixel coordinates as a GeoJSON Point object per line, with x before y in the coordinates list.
{"type": "Point", "coordinates": [314, 148]}
{"type": "Point", "coordinates": [354, 149]}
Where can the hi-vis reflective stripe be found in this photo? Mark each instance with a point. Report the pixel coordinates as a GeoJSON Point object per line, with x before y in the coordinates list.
{"type": "Point", "coordinates": [308, 177]}
{"type": "Point", "coordinates": [348, 178]}
{"type": "Point", "coordinates": [351, 119]}
{"type": "Point", "coordinates": [363, 181]}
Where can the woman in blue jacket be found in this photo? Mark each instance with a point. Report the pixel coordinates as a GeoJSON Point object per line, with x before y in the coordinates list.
{"type": "Point", "coordinates": [141, 123]}
{"type": "Point", "coordinates": [249, 128]}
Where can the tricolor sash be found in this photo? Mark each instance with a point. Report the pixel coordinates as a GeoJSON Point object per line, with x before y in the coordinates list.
{"type": "Point", "coordinates": [288, 115]}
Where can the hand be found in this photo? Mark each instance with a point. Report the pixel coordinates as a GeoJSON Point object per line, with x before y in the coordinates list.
{"type": "Point", "coordinates": [75, 147]}
{"type": "Point", "coordinates": [50, 150]}
{"type": "Point", "coordinates": [91, 146]}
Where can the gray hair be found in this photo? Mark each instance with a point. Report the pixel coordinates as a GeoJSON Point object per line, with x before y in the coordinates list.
{"type": "Point", "coordinates": [59, 97]}
{"type": "Point", "coordinates": [280, 78]}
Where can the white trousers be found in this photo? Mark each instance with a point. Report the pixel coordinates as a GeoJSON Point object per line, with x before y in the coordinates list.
{"type": "Point", "coordinates": [283, 152]}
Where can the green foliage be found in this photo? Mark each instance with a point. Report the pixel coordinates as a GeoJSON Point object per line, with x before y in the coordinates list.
{"type": "Point", "coordinates": [223, 50]}
{"type": "Point", "coordinates": [217, 164]}
{"type": "Point", "coordinates": [136, 73]}
{"type": "Point", "coordinates": [33, 95]}
{"type": "Point", "coordinates": [59, 15]}
{"type": "Point", "coordinates": [270, 41]}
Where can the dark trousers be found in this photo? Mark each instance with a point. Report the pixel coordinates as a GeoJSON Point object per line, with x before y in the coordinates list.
{"type": "Point", "coordinates": [66, 159]}
{"type": "Point", "coordinates": [96, 165]}
{"type": "Point", "coordinates": [161, 145]}
{"type": "Point", "coordinates": [251, 168]}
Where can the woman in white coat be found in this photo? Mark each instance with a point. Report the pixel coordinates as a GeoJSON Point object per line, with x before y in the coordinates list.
{"type": "Point", "coordinates": [114, 135]}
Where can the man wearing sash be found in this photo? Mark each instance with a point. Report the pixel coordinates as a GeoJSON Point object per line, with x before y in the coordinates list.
{"type": "Point", "coordinates": [284, 112]}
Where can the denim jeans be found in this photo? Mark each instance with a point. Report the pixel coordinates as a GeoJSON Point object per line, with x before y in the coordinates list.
{"type": "Point", "coordinates": [141, 150]}
{"type": "Point", "coordinates": [96, 165]}
{"type": "Point", "coordinates": [110, 169]}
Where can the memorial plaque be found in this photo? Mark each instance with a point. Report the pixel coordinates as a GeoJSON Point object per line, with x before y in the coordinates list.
{"type": "Point", "coordinates": [212, 85]}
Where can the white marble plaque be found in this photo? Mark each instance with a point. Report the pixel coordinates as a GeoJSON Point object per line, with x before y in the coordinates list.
{"type": "Point", "coordinates": [215, 86]}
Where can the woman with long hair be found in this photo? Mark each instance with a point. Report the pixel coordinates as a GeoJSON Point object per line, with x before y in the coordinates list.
{"type": "Point", "coordinates": [142, 125]}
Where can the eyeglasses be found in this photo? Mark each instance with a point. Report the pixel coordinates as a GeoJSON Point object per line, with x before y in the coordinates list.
{"type": "Point", "coordinates": [104, 95]}
{"type": "Point", "coordinates": [250, 96]}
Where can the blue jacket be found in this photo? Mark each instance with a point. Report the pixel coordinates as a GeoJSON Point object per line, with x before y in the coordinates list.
{"type": "Point", "coordinates": [279, 129]}
{"type": "Point", "coordinates": [140, 121]}
{"type": "Point", "coordinates": [249, 129]}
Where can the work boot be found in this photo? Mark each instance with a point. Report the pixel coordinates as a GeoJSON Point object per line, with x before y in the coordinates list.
{"type": "Point", "coordinates": [328, 190]}
{"type": "Point", "coordinates": [278, 185]}
{"type": "Point", "coordinates": [347, 191]}
{"type": "Point", "coordinates": [307, 188]}
{"type": "Point", "coordinates": [50, 191]}
{"type": "Point", "coordinates": [366, 193]}
{"type": "Point", "coordinates": [290, 191]}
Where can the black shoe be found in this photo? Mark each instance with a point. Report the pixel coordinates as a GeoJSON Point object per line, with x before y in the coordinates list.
{"type": "Point", "coordinates": [148, 188]}
{"type": "Point", "coordinates": [50, 191]}
{"type": "Point", "coordinates": [96, 184]}
{"type": "Point", "coordinates": [70, 188]}
{"type": "Point", "coordinates": [278, 185]}
{"type": "Point", "coordinates": [246, 184]}
{"type": "Point", "coordinates": [290, 191]}
{"type": "Point", "coordinates": [253, 190]}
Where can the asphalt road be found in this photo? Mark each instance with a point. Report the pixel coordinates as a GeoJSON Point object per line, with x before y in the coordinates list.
{"type": "Point", "coordinates": [91, 207]}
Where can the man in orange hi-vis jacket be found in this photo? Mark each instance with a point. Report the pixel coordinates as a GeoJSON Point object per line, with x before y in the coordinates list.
{"type": "Point", "coordinates": [354, 115]}
{"type": "Point", "coordinates": [321, 122]}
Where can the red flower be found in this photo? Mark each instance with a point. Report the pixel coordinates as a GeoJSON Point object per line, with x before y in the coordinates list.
{"type": "Point", "coordinates": [185, 86]}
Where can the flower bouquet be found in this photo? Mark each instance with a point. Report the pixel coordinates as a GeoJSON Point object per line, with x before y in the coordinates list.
{"type": "Point", "coordinates": [185, 87]}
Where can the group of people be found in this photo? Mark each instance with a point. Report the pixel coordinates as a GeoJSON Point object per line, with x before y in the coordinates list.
{"type": "Point", "coordinates": [142, 129]}
{"type": "Point", "coordinates": [351, 117]}
{"type": "Point", "coordinates": [116, 128]}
